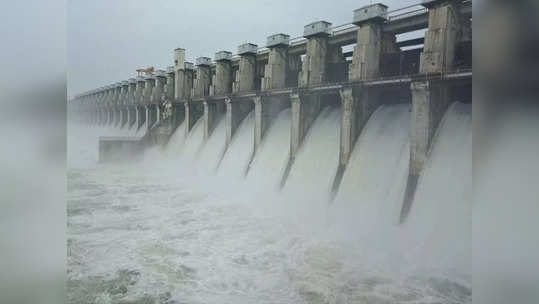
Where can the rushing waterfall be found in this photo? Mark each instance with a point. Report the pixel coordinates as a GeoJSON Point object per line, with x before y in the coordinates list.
{"type": "Point", "coordinates": [312, 173]}
{"type": "Point", "coordinates": [177, 140]}
{"type": "Point", "coordinates": [193, 142]}
{"type": "Point", "coordinates": [172, 227]}
{"type": "Point", "coordinates": [268, 165]}
{"type": "Point", "coordinates": [238, 154]}
{"type": "Point", "coordinates": [371, 190]}
{"type": "Point", "coordinates": [211, 152]}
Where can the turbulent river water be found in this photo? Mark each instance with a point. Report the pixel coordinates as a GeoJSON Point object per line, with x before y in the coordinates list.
{"type": "Point", "coordinates": [188, 224]}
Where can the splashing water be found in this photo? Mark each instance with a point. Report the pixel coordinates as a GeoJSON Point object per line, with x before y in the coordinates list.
{"type": "Point", "coordinates": [165, 231]}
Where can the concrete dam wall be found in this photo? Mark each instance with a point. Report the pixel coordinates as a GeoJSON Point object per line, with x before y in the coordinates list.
{"type": "Point", "coordinates": [362, 130]}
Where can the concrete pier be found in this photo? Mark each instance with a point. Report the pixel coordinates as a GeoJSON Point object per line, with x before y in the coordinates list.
{"type": "Point", "coordinates": [202, 81]}
{"type": "Point", "coordinates": [168, 114]}
{"type": "Point", "coordinates": [139, 102]}
{"type": "Point", "coordinates": [116, 90]}
{"type": "Point", "coordinates": [131, 103]}
{"type": "Point", "coordinates": [276, 69]}
{"type": "Point", "coordinates": [183, 76]}
{"type": "Point", "coordinates": [177, 111]}
{"type": "Point", "coordinates": [246, 74]}
{"type": "Point", "coordinates": [441, 37]}
{"type": "Point", "coordinates": [222, 83]}
{"type": "Point", "coordinates": [146, 101]}
{"type": "Point", "coordinates": [123, 104]}
{"type": "Point", "coordinates": [313, 69]}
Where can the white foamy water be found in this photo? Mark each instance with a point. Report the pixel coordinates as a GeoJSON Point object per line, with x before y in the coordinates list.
{"type": "Point", "coordinates": [270, 160]}
{"type": "Point", "coordinates": [211, 152]}
{"type": "Point", "coordinates": [311, 177]}
{"type": "Point", "coordinates": [163, 231]}
{"type": "Point", "coordinates": [371, 191]}
{"type": "Point", "coordinates": [176, 141]}
{"type": "Point", "coordinates": [193, 142]}
{"type": "Point", "coordinates": [236, 159]}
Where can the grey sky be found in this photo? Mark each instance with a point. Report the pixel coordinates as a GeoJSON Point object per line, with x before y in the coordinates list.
{"type": "Point", "coordinates": [109, 39]}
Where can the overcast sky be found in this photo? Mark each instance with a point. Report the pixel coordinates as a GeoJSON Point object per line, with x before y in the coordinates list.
{"type": "Point", "coordinates": [107, 40]}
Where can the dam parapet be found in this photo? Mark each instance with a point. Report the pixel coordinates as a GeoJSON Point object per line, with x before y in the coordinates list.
{"type": "Point", "coordinates": [307, 74]}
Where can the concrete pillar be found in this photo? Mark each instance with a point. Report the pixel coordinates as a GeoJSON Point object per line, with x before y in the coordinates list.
{"type": "Point", "coordinates": [441, 37]}
{"type": "Point", "coordinates": [139, 102]}
{"type": "Point", "coordinates": [131, 104]}
{"type": "Point", "coordinates": [158, 91]}
{"type": "Point", "coordinates": [168, 90]}
{"type": "Point", "coordinates": [276, 69]}
{"type": "Point", "coordinates": [116, 90]}
{"type": "Point", "coordinates": [183, 77]}
{"type": "Point", "coordinates": [97, 97]}
{"type": "Point", "coordinates": [236, 111]}
{"type": "Point", "coordinates": [124, 103]}
{"type": "Point", "coordinates": [246, 74]}
{"type": "Point", "coordinates": [110, 105]}
{"type": "Point", "coordinates": [366, 59]}
{"type": "Point", "coordinates": [314, 65]}
{"type": "Point", "coordinates": [202, 81]}
{"type": "Point", "coordinates": [222, 84]}
{"type": "Point", "coordinates": [176, 111]}
{"type": "Point", "coordinates": [372, 42]}
{"type": "Point", "coordinates": [157, 98]}
{"type": "Point", "coordinates": [149, 108]}
{"type": "Point", "coordinates": [212, 114]}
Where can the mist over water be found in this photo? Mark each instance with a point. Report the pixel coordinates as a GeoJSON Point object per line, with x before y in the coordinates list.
{"type": "Point", "coordinates": [171, 229]}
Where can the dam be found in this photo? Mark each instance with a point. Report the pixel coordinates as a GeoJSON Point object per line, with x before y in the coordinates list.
{"type": "Point", "coordinates": [361, 131]}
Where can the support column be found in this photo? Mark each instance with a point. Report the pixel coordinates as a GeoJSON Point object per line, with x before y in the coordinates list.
{"type": "Point", "coordinates": [372, 42]}
{"type": "Point", "coordinates": [276, 69]}
{"type": "Point", "coordinates": [441, 37]}
{"type": "Point", "coordinates": [116, 105]}
{"type": "Point", "coordinates": [183, 78]}
{"type": "Point", "coordinates": [202, 82]}
{"type": "Point", "coordinates": [175, 113]}
{"type": "Point", "coordinates": [245, 77]}
{"type": "Point", "coordinates": [222, 84]}
{"type": "Point", "coordinates": [157, 97]}
{"type": "Point", "coordinates": [124, 103]}
{"type": "Point", "coordinates": [139, 102]}
{"type": "Point", "coordinates": [130, 99]}
{"type": "Point", "coordinates": [313, 69]}
{"type": "Point", "coordinates": [147, 101]}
